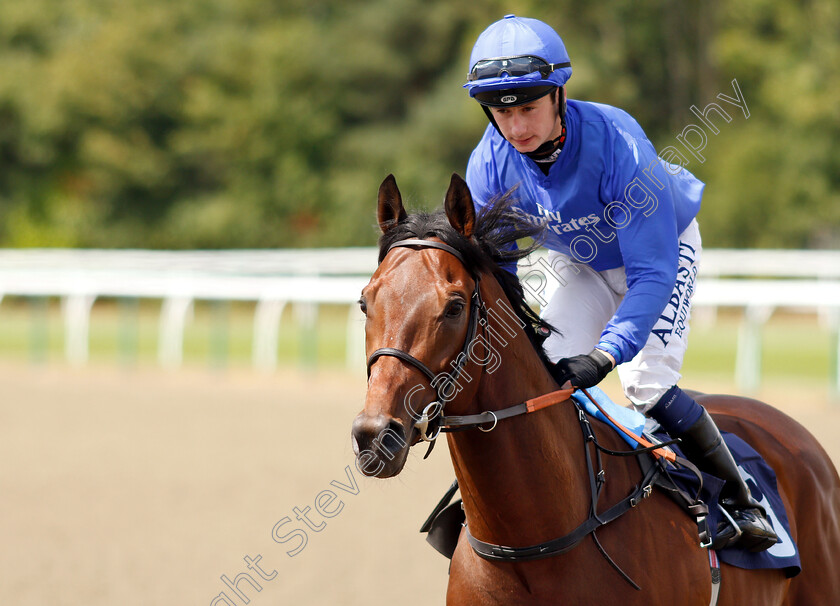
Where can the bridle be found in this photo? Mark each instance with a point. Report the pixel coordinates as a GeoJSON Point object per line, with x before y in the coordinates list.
{"type": "Point", "coordinates": [433, 421]}
{"type": "Point", "coordinates": [432, 414]}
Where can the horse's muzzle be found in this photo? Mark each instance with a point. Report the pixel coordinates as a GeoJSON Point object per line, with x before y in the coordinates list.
{"type": "Point", "coordinates": [380, 445]}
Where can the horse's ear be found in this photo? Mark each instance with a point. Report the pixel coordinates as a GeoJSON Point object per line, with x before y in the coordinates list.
{"type": "Point", "coordinates": [390, 209]}
{"type": "Point", "coordinates": [459, 207]}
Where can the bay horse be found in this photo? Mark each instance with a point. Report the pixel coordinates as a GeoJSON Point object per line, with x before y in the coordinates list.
{"type": "Point", "coordinates": [448, 333]}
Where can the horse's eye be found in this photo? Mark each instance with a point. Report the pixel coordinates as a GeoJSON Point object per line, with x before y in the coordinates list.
{"type": "Point", "coordinates": [363, 305]}
{"type": "Point", "coordinates": [454, 309]}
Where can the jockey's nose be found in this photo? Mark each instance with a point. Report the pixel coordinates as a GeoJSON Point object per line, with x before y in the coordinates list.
{"type": "Point", "coordinates": [518, 125]}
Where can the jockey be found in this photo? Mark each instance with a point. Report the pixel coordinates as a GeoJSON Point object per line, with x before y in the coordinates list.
{"type": "Point", "coordinates": [623, 241]}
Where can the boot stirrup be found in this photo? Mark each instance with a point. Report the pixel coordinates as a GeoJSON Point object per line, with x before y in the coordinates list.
{"type": "Point", "coordinates": [733, 523]}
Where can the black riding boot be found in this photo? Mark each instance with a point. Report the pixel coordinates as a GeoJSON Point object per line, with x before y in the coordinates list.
{"type": "Point", "coordinates": [704, 446]}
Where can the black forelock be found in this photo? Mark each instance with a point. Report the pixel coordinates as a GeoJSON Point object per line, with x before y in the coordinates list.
{"type": "Point", "coordinates": [498, 228]}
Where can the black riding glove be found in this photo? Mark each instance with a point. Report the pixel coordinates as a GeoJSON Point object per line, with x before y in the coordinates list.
{"type": "Point", "coordinates": [582, 371]}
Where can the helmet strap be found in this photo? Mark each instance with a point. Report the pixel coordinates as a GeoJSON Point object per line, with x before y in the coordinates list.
{"type": "Point", "coordinates": [562, 98]}
{"type": "Point", "coordinates": [550, 150]}
{"type": "Point", "coordinates": [492, 120]}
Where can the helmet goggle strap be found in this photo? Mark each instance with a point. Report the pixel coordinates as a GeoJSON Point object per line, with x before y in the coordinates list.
{"type": "Point", "coordinates": [512, 67]}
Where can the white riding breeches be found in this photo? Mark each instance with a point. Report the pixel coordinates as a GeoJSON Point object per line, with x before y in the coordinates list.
{"type": "Point", "coordinates": [581, 306]}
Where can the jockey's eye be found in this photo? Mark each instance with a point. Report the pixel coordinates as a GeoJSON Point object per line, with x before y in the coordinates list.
{"type": "Point", "coordinates": [363, 305]}
{"type": "Point", "coordinates": [454, 309]}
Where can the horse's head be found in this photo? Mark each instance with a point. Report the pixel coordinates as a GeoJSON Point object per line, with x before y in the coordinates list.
{"type": "Point", "coordinates": [420, 306]}
{"type": "Point", "coordinates": [428, 337]}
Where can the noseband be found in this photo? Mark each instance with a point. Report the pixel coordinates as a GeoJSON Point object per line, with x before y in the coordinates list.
{"type": "Point", "coordinates": [478, 311]}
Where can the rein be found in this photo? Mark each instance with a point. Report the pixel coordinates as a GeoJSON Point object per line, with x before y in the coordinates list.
{"type": "Point", "coordinates": [460, 423]}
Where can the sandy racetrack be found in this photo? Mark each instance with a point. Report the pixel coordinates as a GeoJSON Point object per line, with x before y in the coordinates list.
{"type": "Point", "coordinates": [145, 487]}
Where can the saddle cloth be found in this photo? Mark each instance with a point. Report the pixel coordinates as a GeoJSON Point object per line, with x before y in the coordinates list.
{"type": "Point", "coordinates": [761, 480]}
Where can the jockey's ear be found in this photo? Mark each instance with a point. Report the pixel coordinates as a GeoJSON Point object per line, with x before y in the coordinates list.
{"type": "Point", "coordinates": [390, 209]}
{"type": "Point", "coordinates": [459, 207]}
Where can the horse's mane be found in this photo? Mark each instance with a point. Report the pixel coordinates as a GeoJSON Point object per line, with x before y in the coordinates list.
{"type": "Point", "coordinates": [497, 229]}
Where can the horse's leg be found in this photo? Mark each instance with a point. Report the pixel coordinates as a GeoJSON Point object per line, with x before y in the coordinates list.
{"type": "Point", "coordinates": [469, 581]}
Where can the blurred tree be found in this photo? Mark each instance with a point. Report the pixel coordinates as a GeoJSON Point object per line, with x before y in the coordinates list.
{"type": "Point", "coordinates": [776, 182]}
{"type": "Point", "coordinates": [246, 123]}
{"type": "Point", "coordinates": [163, 125]}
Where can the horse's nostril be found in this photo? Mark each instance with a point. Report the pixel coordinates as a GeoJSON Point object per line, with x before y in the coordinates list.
{"type": "Point", "coordinates": [393, 438]}
{"type": "Point", "coordinates": [380, 434]}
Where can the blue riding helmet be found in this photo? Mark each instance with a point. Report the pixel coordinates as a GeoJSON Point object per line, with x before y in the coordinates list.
{"type": "Point", "coordinates": [513, 55]}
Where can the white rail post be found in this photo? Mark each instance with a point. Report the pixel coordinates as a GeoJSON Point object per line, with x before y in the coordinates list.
{"type": "Point", "coordinates": [266, 333]}
{"type": "Point", "coordinates": [832, 315]}
{"type": "Point", "coordinates": [76, 310]}
{"type": "Point", "coordinates": [748, 354]}
{"type": "Point", "coordinates": [173, 319]}
{"type": "Point", "coordinates": [306, 314]}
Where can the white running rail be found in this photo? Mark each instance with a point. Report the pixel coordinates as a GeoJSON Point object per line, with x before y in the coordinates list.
{"type": "Point", "coordinates": [756, 281]}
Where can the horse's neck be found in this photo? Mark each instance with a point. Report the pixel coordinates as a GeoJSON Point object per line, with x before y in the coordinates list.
{"type": "Point", "coordinates": [527, 468]}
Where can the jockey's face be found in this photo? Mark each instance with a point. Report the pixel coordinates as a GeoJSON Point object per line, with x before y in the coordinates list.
{"type": "Point", "coordinates": [528, 126]}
